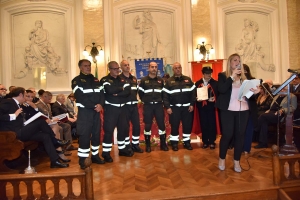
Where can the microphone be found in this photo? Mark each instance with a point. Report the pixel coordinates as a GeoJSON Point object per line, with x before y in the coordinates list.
{"type": "Point", "coordinates": [261, 81]}
{"type": "Point", "coordinates": [238, 67]}
{"type": "Point", "coordinates": [293, 71]}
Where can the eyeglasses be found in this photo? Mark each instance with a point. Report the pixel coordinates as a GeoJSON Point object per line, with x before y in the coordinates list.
{"type": "Point", "coordinates": [3, 89]}
{"type": "Point", "coordinates": [115, 68]}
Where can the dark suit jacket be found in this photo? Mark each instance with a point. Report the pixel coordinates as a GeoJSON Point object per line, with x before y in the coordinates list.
{"type": "Point", "coordinates": [224, 89]}
{"type": "Point", "coordinates": [9, 106]}
{"type": "Point", "coordinates": [58, 109]}
{"type": "Point", "coordinates": [28, 111]}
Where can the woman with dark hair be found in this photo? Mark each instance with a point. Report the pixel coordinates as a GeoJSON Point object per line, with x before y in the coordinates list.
{"type": "Point", "coordinates": [252, 121]}
{"type": "Point", "coordinates": [264, 99]}
{"type": "Point", "coordinates": [41, 92]}
{"type": "Point", "coordinates": [263, 102]}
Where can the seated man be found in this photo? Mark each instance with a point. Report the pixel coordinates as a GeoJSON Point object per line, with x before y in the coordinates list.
{"type": "Point", "coordinates": [59, 108]}
{"type": "Point", "coordinates": [2, 92]}
{"type": "Point", "coordinates": [62, 129]}
{"type": "Point", "coordinates": [278, 107]}
{"type": "Point", "coordinates": [11, 119]}
{"type": "Point", "coordinates": [30, 109]}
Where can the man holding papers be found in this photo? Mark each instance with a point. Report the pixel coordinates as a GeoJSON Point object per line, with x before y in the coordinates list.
{"type": "Point", "coordinates": [11, 119]}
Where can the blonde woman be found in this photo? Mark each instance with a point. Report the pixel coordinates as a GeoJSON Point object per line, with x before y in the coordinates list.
{"type": "Point", "coordinates": [233, 113]}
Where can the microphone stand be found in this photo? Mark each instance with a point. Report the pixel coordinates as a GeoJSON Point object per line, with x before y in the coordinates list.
{"type": "Point", "coordinates": [278, 116]}
{"type": "Point", "coordinates": [288, 147]}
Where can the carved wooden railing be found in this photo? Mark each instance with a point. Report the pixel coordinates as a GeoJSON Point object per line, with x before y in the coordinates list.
{"type": "Point", "coordinates": [85, 178]}
{"type": "Point", "coordinates": [285, 172]}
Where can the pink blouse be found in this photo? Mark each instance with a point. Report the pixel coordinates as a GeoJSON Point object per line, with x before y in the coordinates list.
{"type": "Point", "coordinates": [235, 104]}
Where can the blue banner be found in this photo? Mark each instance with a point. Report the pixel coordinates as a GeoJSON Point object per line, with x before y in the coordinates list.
{"type": "Point", "coordinates": [141, 67]}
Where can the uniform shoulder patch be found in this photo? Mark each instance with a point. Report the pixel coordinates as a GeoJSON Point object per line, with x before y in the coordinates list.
{"type": "Point", "coordinates": [147, 81]}
{"type": "Point", "coordinates": [74, 82]}
{"type": "Point", "coordinates": [83, 80]}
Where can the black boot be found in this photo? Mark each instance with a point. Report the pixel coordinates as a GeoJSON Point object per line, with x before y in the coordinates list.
{"type": "Point", "coordinates": [148, 145]}
{"type": "Point", "coordinates": [187, 145]}
{"type": "Point", "coordinates": [129, 148]}
{"type": "Point", "coordinates": [107, 158]}
{"type": "Point", "coordinates": [136, 148]}
{"type": "Point", "coordinates": [81, 162]}
{"type": "Point", "coordinates": [163, 145]}
{"type": "Point", "coordinates": [174, 145]}
{"type": "Point", "coordinates": [96, 159]}
{"type": "Point", "coordinates": [125, 152]}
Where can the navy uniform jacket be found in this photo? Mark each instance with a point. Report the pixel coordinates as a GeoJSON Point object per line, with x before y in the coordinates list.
{"type": "Point", "coordinates": [179, 91]}
{"type": "Point", "coordinates": [150, 90]}
{"type": "Point", "coordinates": [87, 91]}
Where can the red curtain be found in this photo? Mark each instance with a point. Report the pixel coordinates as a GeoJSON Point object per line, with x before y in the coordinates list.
{"type": "Point", "coordinates": [216, 65]}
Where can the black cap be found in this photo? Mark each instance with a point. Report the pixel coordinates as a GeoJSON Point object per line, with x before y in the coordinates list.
{"type": "Point", "coordinates": [207, 70]}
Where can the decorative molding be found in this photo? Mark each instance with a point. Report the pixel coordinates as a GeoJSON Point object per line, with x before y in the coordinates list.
{"type": "Point", "coordinates": [5, 1]}
{"type": "Point", "coordinates": [248, 1]}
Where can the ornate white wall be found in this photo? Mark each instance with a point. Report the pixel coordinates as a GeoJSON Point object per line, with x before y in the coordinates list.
{"type": "Point", "coordinates": [269, 57]}
{"type": "Point", "coordinates": [18, 25]}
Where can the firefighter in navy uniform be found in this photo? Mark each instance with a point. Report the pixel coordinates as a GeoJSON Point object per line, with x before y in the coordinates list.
{"type": "Point", "coordinates": [150, 92]}
{"type": "Point", "coordinates": [89, 99]}
{"type": "Point", "coordinates": [131, 109]}
{"type": "Point", "coordinates": [116, 90]}
{"type": "Point", "coordinates": [179, 96]}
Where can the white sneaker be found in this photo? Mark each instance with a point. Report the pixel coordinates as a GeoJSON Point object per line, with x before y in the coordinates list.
{"type": "Point", "coordinates": [221, 164]}
{"type": "Point", "coordinates": [237, 166]}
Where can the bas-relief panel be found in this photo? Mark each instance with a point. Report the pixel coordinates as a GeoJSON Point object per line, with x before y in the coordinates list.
{"type": "Point", "coordinates": [249, 35]}
{"type": "Point", "coordinates": [249, 1]}
{"type": "Point", "coordinates": [148, 33]}
{"type": "Point", "coordinates": [39, 50]}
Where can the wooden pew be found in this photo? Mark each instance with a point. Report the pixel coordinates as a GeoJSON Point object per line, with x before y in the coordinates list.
{"type": "Point", "coordinates": [11, 147]}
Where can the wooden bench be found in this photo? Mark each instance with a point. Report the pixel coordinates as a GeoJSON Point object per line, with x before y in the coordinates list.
{"type": "Point", "coordinates": [11, 147]}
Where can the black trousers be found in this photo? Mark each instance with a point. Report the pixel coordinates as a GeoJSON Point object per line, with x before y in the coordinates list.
{"type": "Point", "coordinates": [114, 117]}
{"type": "Point", "coordinates": [234, 124]}
{"type": "Point", "coordinates": [157, 111]}
{"type": "Point", "coordinates": [132, 115]}
{"type": "Point", "coordinates": [88, 130]}
{"type": "Point", "coordinates": [181, 114]}
{"type": "Point", "coordinates": [208, 124]}
{"type": "Point", "coordinates": [40, 131]}
{"type": "Point", "coordinates": [263, 121]}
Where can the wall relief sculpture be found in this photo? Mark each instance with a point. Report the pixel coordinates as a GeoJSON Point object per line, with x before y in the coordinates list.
{"type": "Point", "coordinates": [148, 33]}
{"type": "Point", "coordinates": [150, 36]}
{"type": "Point", "coordinates": [249, 49]}
{"type": "Point", "coordinates": [39, 52]}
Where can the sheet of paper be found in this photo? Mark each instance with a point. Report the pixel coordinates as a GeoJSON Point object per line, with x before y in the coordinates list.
{"type": "Point", "coordinates": [202, 93]}
{"type": "Point", "coordinates": [246, 86]}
